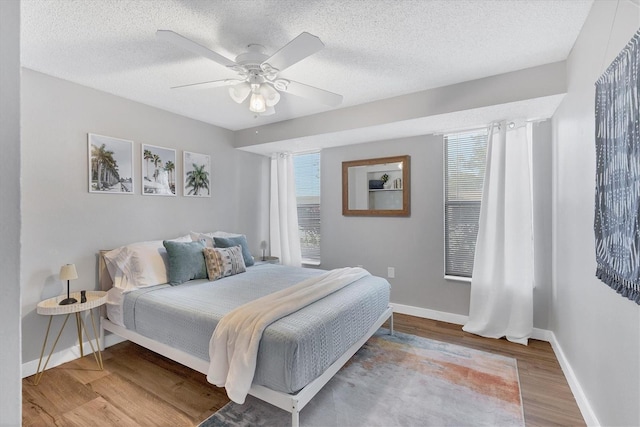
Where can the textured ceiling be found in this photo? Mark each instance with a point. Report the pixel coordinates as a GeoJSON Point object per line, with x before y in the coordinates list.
{"type": "Point", "coordinates": [375, 49]}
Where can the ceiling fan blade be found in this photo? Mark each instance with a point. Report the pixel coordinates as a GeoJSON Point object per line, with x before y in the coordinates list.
{"type": "Point", "coordinates": [314, 93]}
{"type": "Point", "coordinates": [209, 85]}
{"type": "Point", "coordinates": [191, 46]}
{"type": "Point", "coordinates": [297, 49]}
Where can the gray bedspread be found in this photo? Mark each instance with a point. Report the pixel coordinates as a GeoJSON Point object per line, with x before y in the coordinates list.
{"type": "Point", "coordinates": [294, 350]}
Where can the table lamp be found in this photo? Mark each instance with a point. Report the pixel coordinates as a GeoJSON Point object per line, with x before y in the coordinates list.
{"type": "Point", "coordinates": [68, 272]}
{"type": "Point", "coordinates": [263, 246]}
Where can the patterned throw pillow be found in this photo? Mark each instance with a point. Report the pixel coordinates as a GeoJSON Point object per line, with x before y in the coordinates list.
{"type": "Point", "coordinates": [223, 262]}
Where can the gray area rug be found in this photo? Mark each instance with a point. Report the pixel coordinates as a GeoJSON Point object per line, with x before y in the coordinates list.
{"type": "Point", "coordinates": [402, 380]}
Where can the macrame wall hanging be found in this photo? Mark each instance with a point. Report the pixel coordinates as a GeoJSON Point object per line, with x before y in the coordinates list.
{"type": "Point", "coordinates": [617, 204]}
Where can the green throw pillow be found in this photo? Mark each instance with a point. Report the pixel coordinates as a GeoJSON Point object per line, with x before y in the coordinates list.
{"type": "Point", "coordinates": [228, 242]}
{"type": "Point", "coordinates": [186, 261]}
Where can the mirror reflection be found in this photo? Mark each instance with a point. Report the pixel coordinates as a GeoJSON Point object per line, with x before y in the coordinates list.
{"type": "Point", "coordinates": [376, 187]}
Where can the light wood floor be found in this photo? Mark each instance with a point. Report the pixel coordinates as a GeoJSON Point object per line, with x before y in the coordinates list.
{"type": "Point", "coordinates": [138, 387]}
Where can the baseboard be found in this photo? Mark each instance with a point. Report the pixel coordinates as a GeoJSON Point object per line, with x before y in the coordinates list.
{"type": "Point", "coordinates": [112, 339]}
{"type": "Point", "coordinates": [67, 355]}
{"type": "Point", "coordinates": [456, 319]}
{"type": "Point", "coordinates": [541, 334]}
{"type": "Point", "coordinates": [578, 393]}
{"type": "Point", "coordinates": [538, 334]}
{"type": "Point", "coordinates": [425, 313]}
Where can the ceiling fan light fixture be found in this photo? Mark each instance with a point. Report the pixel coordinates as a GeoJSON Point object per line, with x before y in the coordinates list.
{"type": "Point", "coordinates": [257, 73]}
{"type": "Point", "coordinates": [257, 103]}
{"type": "Point", "coordinates": [240, 92]}
{"type": "Point", "coordinates": [271, 96]}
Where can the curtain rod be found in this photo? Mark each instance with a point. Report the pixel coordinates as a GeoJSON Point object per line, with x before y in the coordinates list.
{"type": "Point", "coordinates": [476, 128]}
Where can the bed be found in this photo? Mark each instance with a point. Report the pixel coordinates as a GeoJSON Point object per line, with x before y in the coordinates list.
{"type": "Point", "coordinates": [298, 354]}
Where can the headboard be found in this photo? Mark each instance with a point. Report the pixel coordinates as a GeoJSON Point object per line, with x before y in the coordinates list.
{"type": "Point", "coordinates": [104, 279]}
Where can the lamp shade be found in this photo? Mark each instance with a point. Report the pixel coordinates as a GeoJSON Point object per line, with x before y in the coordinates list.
{"type": "Point", "coordinates": [271, 96]}
{"type": "Point", "coordinates": [240, 92]}
{"type": "Point", "coordinates": [68, 272]}
{"type": "Point", "coordinates": [257, 103]}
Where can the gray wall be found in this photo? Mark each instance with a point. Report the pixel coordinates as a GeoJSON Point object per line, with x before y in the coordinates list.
{"type": "Point", "coordinates": [598, 330]}
{"type": "Point", "coordinates": [415, 245]}
{"type": "Point", "coordinates": [543, 263]}
{"type": "Point", "coordinates": [63, 223]}
{"type": "Point", "coordinates": [10, 379]}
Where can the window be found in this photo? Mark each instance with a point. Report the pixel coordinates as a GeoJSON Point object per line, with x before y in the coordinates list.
{"type": "Point", "coordinates": [465, 155]}
{"type": "Point", "coordinates": [307, 176]}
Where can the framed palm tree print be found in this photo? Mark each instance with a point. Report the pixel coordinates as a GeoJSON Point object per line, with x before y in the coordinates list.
{"type": "Point", "coordinates": [110, 165]}
{"type": "Point", "coordinates": [158, 171]}
{"type": "Point", "coordinates": [197, 174]}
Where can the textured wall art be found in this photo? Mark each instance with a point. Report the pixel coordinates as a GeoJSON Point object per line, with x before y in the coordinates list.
{"type": "Point", "coordinates": [617, 204]}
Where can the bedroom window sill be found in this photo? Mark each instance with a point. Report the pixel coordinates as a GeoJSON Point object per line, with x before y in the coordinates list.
{"type": "Point", "coordinates": [310, 262]}
{"type": "Point", "coordinates": [458, 279]}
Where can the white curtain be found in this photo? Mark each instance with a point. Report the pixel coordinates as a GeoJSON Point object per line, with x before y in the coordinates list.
{"type": "Point", "coordinates": [502, 279]}
{"type": "Point", "coordinates": [283, 218]}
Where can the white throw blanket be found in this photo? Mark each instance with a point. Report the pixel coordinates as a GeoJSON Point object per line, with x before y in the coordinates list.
{"type": "Point", "coordinates": [233, 349]}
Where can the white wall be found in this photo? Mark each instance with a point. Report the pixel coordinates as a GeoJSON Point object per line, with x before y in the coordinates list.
{"type": "Point", "coordinates": [63, 223]}
{"type": "Point", "coordinates": [10, 380]}
{"type": "Point", "coordinates": [415, 245]}
{"type": "Point", "coordinates": [597, 329]}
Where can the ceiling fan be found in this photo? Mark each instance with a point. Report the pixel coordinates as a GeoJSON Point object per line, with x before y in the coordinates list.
{"type": "Point", "coordinates": [258, 73]}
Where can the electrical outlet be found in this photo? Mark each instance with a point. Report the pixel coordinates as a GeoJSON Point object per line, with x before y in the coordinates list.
{"type": "Point", "coordinates": [391, 272]}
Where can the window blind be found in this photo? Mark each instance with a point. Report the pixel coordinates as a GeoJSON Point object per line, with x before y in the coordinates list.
{"type": "Point", "coordinates": [307, 178]}
{"type": "Point", "coordinates": [465, 157]}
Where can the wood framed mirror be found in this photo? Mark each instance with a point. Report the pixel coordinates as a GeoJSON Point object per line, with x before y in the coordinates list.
{"type": "Point", "coordinates": [376, 187]}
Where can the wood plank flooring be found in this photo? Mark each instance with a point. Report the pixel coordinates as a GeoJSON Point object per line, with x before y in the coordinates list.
{"type": "Point", "coordinates": [141, 388]}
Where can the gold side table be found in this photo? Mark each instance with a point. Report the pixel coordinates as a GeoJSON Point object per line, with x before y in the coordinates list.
{"type": "Point", "coordinates": [50, 307]}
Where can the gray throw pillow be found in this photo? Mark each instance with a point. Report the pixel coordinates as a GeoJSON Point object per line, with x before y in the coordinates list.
{"type": "Point", "coordinates": [228, 242]}
{"type": "Point", "coordinates": [186, 261]}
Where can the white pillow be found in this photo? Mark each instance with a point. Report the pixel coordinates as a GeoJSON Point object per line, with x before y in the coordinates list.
{"type": "Point", "coordinates": [140, 264]}
{"type": "Point", "coordinates": [208, 237]}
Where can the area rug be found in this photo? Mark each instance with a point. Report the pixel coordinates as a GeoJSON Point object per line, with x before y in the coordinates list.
{"type": "Point", "coordinates": [402, 380]}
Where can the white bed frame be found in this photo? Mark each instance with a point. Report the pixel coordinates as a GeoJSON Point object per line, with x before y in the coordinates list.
{"type": "Point", "coordinates": [292, 403]}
